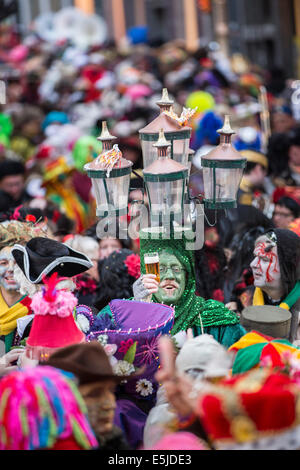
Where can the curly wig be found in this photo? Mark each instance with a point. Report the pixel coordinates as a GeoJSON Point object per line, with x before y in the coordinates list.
{"type": "Point", "coordinates": [115, 280]}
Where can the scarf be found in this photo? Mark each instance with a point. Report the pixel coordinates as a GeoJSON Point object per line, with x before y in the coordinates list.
{"type": "Point", "coordinates": [287, 303]}
{"type": "Point", "coordinates": [10, 315]}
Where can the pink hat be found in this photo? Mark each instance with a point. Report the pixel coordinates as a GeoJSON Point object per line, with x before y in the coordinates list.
{"type": "Point", "coordinates": [180, 441]}
{"type": "Point", "coordinates": [18, 53]}
{"type": "Point", "coordinates": [53, 324]}
{"type": "Point", "coordinates": [138, 90]}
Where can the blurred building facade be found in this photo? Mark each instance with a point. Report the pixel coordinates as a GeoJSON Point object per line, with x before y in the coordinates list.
{"type": "Point", "coordinates": [265, 31]}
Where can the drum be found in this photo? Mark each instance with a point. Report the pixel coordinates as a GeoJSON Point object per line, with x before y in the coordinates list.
{"type": "Point", "coordinates": [266, 319]}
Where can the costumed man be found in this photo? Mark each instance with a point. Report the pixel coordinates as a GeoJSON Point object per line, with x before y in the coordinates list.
{"type": "Point", "coordinates": [275, 270]}
{"type": "Point", "coordinates": [14, 306]}
{"type": "Point", "coordinates": [177, 287]}
{"type": "Point", "coordinates": [96, 382]}
{"type": "Point", "coordinates": [42, 257]}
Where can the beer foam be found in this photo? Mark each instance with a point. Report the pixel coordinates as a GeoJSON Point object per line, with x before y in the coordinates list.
{"type": "Point", "coordinates": [149, 259]}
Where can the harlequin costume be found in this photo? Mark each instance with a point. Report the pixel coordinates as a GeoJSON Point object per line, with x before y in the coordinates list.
{"type": "Point", "coordinates": [192, 311]}
{"type": "Point", "coordinates": [256, 349]}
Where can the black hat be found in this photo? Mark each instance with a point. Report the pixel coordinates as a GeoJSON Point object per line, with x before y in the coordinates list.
{"type": "Point", "coordinates": [11, 167]}
{"type": "Point", "coordinates": [44, 256]}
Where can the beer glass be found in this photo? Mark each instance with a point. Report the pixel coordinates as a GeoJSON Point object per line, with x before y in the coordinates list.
{"type": "Point", "coordinates": [152, 264]}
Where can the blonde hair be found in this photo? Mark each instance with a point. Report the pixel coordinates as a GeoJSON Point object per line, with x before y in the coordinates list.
{"type": "Point", "coordinates": [85, 245]}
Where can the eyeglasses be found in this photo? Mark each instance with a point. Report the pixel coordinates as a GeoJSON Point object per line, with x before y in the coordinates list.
{"type": "Point", "coordinates": [174, 269]}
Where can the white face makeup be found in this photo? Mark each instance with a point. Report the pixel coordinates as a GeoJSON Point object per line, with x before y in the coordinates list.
{"type": "Point", "coordinates": [7, 264]}
{"type": "Point", "coordinates": [265, 266]}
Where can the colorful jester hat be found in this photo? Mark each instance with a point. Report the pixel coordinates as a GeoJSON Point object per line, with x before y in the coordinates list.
{"type": "Point", "coordinates": [256, 350]}
{"type": "Point", "coordinates": [258, 410]}
{"type": "Point", "coordinates": [40, 409]}
{"type": "Point", "coordinates": [129, 331]}
{"type": "Point", "coordinates": [53, 324]}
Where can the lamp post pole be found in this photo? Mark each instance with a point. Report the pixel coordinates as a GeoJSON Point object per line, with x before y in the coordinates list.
{"type": "Point", "coordinates": [191, 24]}
{"type": "Point", "coordinates": [220, 25]}
{"type": "Point", "coordinates": [87, 6]}
{"type": "Point", "coordinates": [119, 21]}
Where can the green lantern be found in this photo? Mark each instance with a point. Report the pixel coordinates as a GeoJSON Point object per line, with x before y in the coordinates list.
{"type": "Point", "coordinates": [165, 182]}
{"type": "Point", "coordinates": [178, 135]}
{"type": "Point", "coordinates": [110, 185]}
{"type": "Point", "coordinates": [222, 172]}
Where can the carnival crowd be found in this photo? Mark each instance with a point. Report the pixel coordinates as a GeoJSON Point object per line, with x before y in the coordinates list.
{"type": "Point", "coordinates": [94, 352]}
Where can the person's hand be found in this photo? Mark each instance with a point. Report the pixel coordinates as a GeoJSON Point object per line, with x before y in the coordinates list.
{"type": "Point", "coordinates": [24, 361]}
{"type": "Point", "coordinates": [145, 286]}
{"type": "Point", "coordinates": [232, 306]}
{"type": "Point", "coordinates": [150, 283]}
{"type": "Point", "coordinates": [177, 387]}
{"type": "Point", "coordinates": [6, 361]}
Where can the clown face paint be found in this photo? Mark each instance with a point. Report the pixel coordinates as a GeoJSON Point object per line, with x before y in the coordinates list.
{"type": "Point", "coordinates": [7, 263]}
{"type": "Point", "coordinates": [172, 279]}
{"type": "Point", "coordinates": [265, 266]}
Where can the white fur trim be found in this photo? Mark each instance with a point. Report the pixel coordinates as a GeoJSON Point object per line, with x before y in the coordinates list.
{"type": "Point", "coordinates": [22, 323]}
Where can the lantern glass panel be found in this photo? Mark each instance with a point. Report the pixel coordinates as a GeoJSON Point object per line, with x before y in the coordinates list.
{"type": "Point", "coordinates": [166, 196]}
{"type": "Point", "coordinates": [221, 184]}
{"type": "Point", "coordinates": [178, 151]}
{"type": "Point", "coordinates": [149, 152]}
{"type": "Point", "coordinates": [181, 151]}
{"type": "Point", "coordinates": [111, 193]}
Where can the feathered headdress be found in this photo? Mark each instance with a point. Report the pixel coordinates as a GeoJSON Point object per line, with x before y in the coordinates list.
{"type": "Point", "coordinates": [15, 232]}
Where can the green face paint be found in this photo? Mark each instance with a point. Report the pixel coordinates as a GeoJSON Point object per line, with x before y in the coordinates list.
{"type": "Point", "coordinates": [172, 279]}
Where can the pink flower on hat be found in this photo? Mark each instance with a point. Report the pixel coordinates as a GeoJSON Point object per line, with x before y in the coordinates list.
{"type": "Point", "coordinates": [125, 345]}
{"type": "Point", "coordinates": [133, 263]}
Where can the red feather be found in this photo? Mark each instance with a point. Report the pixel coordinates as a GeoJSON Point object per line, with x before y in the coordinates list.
{"type": "Point", "coordinates": [50, 287]}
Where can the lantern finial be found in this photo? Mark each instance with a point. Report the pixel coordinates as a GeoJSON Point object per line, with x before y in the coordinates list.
{"type": "Point", "coordinates": [165, 102]}
{"type": "Point", "coordinates": [226, 129]}
{"type": "Point", "coordinates": [106, 138]}
{"type": "Point", "coordinates": [162, 144]}
{"type": "Point", "coordinates": [162, 141]}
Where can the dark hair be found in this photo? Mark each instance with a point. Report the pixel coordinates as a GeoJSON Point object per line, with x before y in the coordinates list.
{"type": "Point", "coordinates": [10, 168]}
{"type": "Point", "coordinates": [290, 204]}
{"type": "Point", "coordinates": [277, 154]}
{"type": "Point", "coordinates": [115, 281]}
{"type": "Point", "coordinates": [294, 137]}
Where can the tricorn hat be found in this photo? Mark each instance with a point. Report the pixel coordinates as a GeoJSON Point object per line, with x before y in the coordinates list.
{"type": "Point", "coordinates": [87, 361]}
{"type": "Point", "coordinates": [43, 256]}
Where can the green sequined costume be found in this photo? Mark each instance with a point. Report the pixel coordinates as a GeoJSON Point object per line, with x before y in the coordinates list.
{"type": "Point", "coordinates": [192, 311]}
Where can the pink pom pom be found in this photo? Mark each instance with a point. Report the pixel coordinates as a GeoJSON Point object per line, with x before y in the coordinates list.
{"type": "Point", "coordinates": [62, 306]}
